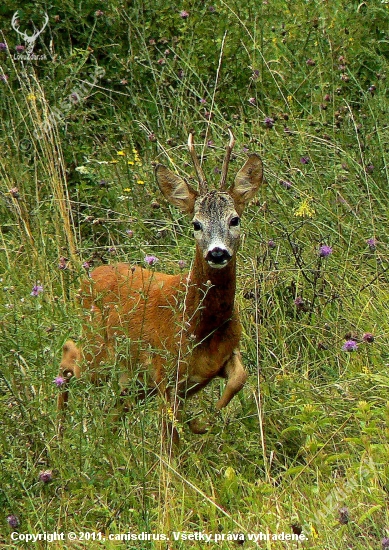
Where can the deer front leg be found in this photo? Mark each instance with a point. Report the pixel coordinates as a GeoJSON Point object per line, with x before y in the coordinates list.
{"type": "Point", "coordinates": [236, 376]}
{"type": "Point", "coordinates": [69, 367]}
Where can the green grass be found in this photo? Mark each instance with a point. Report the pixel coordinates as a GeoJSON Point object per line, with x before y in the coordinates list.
{"type": "Point", "coordinates": [308, 435]}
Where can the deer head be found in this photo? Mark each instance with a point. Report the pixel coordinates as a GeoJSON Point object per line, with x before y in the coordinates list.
{"type": "Point", "coordinates": [216, 213]}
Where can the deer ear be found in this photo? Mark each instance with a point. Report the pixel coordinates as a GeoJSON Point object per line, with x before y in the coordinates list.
{"type": "Point", "coordinates": [175, 189]}
{"type": "Point", "coordinates": [247, 182]}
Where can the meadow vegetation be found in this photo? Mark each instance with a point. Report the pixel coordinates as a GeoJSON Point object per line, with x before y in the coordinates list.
{"type": "Point", "coordinates": [305, 446]}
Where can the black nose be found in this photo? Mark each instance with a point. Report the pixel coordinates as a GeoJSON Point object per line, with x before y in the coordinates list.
{"type": "Point", "coordinates": [218, 255]}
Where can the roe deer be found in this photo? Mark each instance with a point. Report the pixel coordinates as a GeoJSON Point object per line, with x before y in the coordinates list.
{"type": "Point", "coordinates": [182, 330]}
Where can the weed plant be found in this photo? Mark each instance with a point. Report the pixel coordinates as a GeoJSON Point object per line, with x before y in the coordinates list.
{"type": "Point", "coordinates": [305, 447]}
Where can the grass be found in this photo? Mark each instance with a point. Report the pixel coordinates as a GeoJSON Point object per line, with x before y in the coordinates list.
{"type": "Point", "coordinates": [304, 446]}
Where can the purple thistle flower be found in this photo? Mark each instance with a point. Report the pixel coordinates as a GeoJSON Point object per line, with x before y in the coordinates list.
{"type": "Point", "coordinates": [151, 260]}
{"type": "Point", "coordinates": [372, 243]}
{"type": "Point", "coordinates": [286, 184]}
{"type": "Point", "coordinates": [13, 521]}
{"type": "Point", "coordinates": [369, 168]}
{"type": "Point", "coordinates": [255, 74]}
{"type": "Point", "coordinates": [350, 345]}
{"type": "Point", "coordinates": [181, 264]}
{"type": "Point", "coordinates": [86, 265]}
{"type": "Point", "coordinates": [203, 101]}
{"type": "Point", "coordinates": [252, 100]}
{"type": "Point", "coordinates": [271, 244]}
{"type": "Point", "coordinates": [130, 233]}
{"type": "Point", "coordinates": [4, 77]}
{"type": "Point", "coordinates": [212, 9]}
{"type": "Point", "coordinates": [46, 476]}
{"type": "Point", "coordinates": [385, 543]}
{"type": "Point", "coordinates": [3, 47]}
{"type": "Point", "coordinates": [36, 290]}
{"type": "Point", "coordinates": [325, 251]}
{"type": "Point", "coordinates": [184, 14]}
{"type": "Point", "coordinates": [19, 48]}
{"type": "Point", "coordinates": [269, 122]}
{"type": "Point", "coordinates": [310, 62]}
{"type": "Point", "coordinates": [59, 381]}
{"type": "Point", "coordinates": [299, 301]}
{"type": "Point", "coordinates": [304, 160]}
{"type": "Point", "coordinates": [368, 337]}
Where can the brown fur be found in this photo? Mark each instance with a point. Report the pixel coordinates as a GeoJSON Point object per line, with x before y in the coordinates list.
{"type": "Point", "coordinates": [183, 330]}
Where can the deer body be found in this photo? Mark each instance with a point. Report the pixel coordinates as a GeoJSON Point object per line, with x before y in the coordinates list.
{"type": "Point", "coordinates": [183, 330]}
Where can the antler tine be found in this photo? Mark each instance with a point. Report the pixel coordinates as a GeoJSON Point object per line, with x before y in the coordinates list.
{"type": "Point", "coordinates": [199, 170]}
{"type": "Point", "coordinates": [227, 160]}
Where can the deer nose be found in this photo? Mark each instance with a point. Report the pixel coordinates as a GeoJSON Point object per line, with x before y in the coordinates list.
{"type": "Point", "coordinates": [218, 255]}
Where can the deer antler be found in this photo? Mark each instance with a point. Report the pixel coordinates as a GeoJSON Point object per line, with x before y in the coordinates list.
{"type": "Point", "coordinates": [227, 160]}
{"type": "Point", "coordinates": [203, 188]}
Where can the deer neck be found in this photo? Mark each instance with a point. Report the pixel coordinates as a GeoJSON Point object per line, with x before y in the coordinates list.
{"type": "Point", "coordinates": [211, 295]}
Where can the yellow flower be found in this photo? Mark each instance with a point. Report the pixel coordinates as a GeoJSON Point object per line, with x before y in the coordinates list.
{"type": "Point", "coordinates": [114, 161]}
{"type": "Point", "coordinates": [173, 419]}
{"type": "Point", "coordinates": [121, 153]}
{"type": "Point", "coordinates": [31, 97]}
{"type": "Point", "coordinates": [289, 98]}
{"type": "Point", "coordinates": [304, 210]}
{"type": "Point", "coordinates": [127, 190]}
{"type": "Point", "coordinates": [141, 182]}
{"type": "Point", "coordinates": [131, 162]}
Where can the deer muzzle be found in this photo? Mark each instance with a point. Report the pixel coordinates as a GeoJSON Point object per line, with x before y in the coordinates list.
{"type": "Point", "coordinates": [218, 257]}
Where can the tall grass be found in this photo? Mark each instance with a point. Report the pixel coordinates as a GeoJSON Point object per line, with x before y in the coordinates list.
{"type": "Point", "coordinates": [304, 447]}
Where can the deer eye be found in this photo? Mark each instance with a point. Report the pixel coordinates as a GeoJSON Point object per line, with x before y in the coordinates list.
{"type": "Point", "coordinates": [234, 221]}
{"type": "Point", "coordinates": [197, 226]}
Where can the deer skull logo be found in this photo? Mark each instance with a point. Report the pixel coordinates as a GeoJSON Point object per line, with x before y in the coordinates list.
{"type": "Point", "coordinates": [29, 40]}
